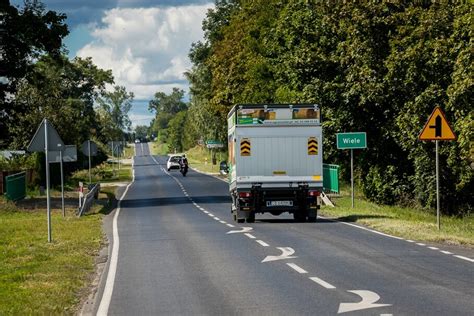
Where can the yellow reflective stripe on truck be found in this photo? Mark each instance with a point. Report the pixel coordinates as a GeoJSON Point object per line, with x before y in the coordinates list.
{"type": "Point", "coordinates": [312, 146]}
{"type": "Point", "coordinates": [245, 147]}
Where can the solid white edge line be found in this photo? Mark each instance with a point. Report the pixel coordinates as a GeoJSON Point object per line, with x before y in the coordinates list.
{"type": "Point", "coordinates": [296, 267]}
{"type": "Point", "coordinates": [261, 242]}
{"type": "Point", "coordinates": [250, 236]}
{"type": "Point", "coordinates": [322, 283]}
{"type": "Point", "coordinates": [464, 258]}
{"type": "Point", "coordinates": [360, 227]}
{"type": "Point", "coordinates": [373, 231]}
{"type": "Point", "coordinates": [109, 283]}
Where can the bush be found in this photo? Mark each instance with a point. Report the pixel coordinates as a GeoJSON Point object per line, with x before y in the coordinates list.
{"type": "Point", "coordinates": [383, 186]}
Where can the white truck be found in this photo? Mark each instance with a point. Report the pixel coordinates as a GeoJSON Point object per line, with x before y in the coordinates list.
{"type": "Point", "coordinates": [275, 160]}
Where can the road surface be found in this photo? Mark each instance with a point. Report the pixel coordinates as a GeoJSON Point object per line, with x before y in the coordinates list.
{"type": "Point", "coordinates": [176, 251]}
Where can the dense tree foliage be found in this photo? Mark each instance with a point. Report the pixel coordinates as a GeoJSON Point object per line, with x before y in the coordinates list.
{"type": "Point", "coordinates": [25, 35]}
{"type": "Point", "coordinates": [38, 81]}
{"type": "Point", "coordinates": [378, 67]}
{"type": "Point", "coordinates": [112, 112]}
{"type": "Point", "coordinates": [166, 107]}
{"type": "Point", "coordinates": [63, 91]}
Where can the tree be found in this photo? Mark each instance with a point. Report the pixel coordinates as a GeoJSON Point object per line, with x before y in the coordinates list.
{"type": "Point", "coordinates": [141, 132]}
{"type": "Point", "coordinates": [26, 35]}
{"type": "Point", "coordinates": [112, 110]}
{"type": "Point", "coordinates": [175, 131]}
{"type": "Point", "coordinates": [166, 107]}
{"type": "Point", "coordinates": [378, 67]}
{"type": "Point", "coordinates": [62, 91]}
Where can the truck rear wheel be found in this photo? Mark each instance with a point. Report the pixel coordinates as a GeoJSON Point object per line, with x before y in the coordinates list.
{"type": "Point", "coordinates": [299, 217]}
{"type": "Point", "coordinates": [251, 218]}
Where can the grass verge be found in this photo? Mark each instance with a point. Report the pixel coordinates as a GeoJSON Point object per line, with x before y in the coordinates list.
{"type": "Point", "coordinates": [106, 172]}
{"type": "Point", "coordinates": [37, 277]}
{"type": "Point", "coordinates": [409, 223]}
{"type": "Point", "coordinates": [158, 148]}
{"type": "Point", "coordinates": [200, 158]}
{"type": "Point", "coordinates": [129, 151]}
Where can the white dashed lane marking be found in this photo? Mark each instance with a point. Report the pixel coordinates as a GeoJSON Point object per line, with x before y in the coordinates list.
{"type": "Point", "coordinates": [464, 258]}
{"type": "Point", "coordinates": [322, 283]}
{"type": "Point", "coordinates": [261, 242]}
{"type": "Point", "coordinates": [230, 225]}
{"type": "Point", "coordinates": [250, 236]}
{"type": "Point", "coordinates": [296, 267]}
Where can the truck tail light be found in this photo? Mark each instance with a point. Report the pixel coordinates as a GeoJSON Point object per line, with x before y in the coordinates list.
{"type": "Point", "coordinates": [313, 193]}
{"type": "Point", "coordinates": [245, 195]}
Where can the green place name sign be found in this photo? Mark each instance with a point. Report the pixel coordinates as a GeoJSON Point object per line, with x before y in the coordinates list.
{"type": "Point", "coordinates": [351, 140]}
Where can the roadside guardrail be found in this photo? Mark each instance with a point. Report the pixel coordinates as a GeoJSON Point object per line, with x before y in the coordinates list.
{"type": "Point", "coordinates": [88, 199]}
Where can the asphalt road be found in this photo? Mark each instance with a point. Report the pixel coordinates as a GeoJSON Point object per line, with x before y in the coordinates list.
{"type": "Point", "coordinates": [176, 251]}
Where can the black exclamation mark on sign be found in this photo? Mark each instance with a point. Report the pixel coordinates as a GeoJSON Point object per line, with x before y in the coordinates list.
{"type": "Point", "coordinates": [437, 126]}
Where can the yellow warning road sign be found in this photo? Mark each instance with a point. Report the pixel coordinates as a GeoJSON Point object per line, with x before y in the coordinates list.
{"type": "Point", "coordinates": [245, 147]}
{"type": "Point", "coordinates": [437, 127]}
{"type": "Point", "coordinates": [312, 146]}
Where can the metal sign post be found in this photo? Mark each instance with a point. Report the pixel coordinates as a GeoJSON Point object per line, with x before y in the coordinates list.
{"type": "Point", "coordinates": [89, 145]}
{"type": "Point", "coordinates": [62, 182]}
{"type": "Point", "coordinates": [357, 140]}
{"type": "Point", "coordinates": [438, 222]}
{"type": "Point", "coordinates": [68, 153]}
{"type": "Point", "coordinates": [46, 140]}
{"type": "Point", "coordinates": [352, 177]}
{"type": "Point", "coordinates": [48, 204]}
{"type": "Point", "coordinates": [89, 148]}
{"type": "Point", "coordinates": [437, 128]}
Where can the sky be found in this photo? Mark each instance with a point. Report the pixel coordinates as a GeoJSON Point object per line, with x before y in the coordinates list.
{"type": "Point", "coordinates": [145, 42]}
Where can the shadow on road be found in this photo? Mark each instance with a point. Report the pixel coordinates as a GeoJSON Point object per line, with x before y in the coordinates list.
{"type": "Point", "coordinates": [355, 217]}
{"type": "Point", "coordinates": [174, 201]}
{"type": "Point", "coordinates": [350, 219]}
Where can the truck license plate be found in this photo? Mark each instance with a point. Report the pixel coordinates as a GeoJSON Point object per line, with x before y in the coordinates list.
{"type": "Point", "coordinates": [279, 203]}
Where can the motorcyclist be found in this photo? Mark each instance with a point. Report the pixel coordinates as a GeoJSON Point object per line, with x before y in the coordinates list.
{"type": "Point", "coordinates": [183, 163]}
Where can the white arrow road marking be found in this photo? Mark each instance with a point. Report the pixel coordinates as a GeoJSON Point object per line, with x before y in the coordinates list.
{"type": "Point", "coordinates": [243, 230]}
{"type": "Point", "coordinates": [286, 254]}
{"type": "Point", "coordinates": [368, 300]}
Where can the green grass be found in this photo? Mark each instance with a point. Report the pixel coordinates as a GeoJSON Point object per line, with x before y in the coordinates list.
{"type": "Point", "coordinates": [158, 148]}
{"type": "Point", "coordinates": [103, 173]}
{"type": "Point", "coordinates": [200, 158]}
{"type": "Point", "coordinates": [129, 151]}
{"type": "Point", "coordinates": [37, 277]}
{"type": "Point", "coordinates": [405, 222]}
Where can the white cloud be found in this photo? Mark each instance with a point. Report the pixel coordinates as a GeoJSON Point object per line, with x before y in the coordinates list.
{"type": "Point", "coordinates": [147, 48]}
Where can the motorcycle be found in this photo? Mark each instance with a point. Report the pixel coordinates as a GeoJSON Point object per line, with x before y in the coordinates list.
{"type": "Point", "coordinates": [183, 169]}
